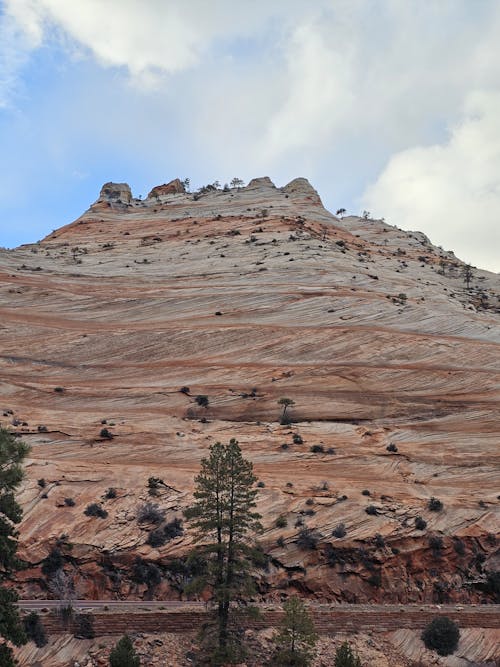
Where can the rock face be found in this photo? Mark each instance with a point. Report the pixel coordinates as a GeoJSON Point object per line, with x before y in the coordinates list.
{"type": "Point", "coordinates": [247, 296]}
{"type": "Point", "coordinates": [174, 187]}
{"type": "Point", "coordinates": [116, 192]}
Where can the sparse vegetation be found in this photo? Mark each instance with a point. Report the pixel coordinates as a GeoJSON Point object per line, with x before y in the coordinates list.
{"type": "Point", "coordinates": [202, 400]}
{"type": "Point", "coordinates": [150, 513]}
{"type": "Point", "coordinates": [420, 523]}
{"type": "Point", "coordinates": [123, 654]}
{"type": "Point", "coordinates": [34, 629]}
{"type": "Point", "coordinates": [281, 522]}
{"type": "Point", "coordinates": [435, 505]}
{"type": "Point", "coordinates": [84, 626]}
{"type": "Point", "coordinates": [307, 539]}
{"type": "Point", "coordinates": [285, 404]}
{"type": "Point", "coordinates": [345, 657]}
{"type": "Point", "coordinates": [96, 510]}
{"type": "Point", "coordinates": [339, 531]}
{"type": "Point", "coordinates": [296, 640]}
{"type": "Point", "coordinates": [441, 635]}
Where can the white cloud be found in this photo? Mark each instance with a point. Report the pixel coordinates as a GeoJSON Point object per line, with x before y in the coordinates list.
{"type": "Point", "coordinates": [451, 191]}
{"type": "Point", "coordinates": [148, 37]}
{"type": "Point", "coordinates": [15, 47]}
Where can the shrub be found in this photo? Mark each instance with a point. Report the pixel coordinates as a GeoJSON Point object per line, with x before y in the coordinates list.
{"type": "Point", "coordinates": [297, 439]}
{"type": "Point", "coordinates": [492, 585]}
{"type": "Point", "coordinates": [202, 400]}
{"type": "Point", "coordinates": [173, 529]}
{"type": "Point", "coordinates": [84, 626]}
{"type": "Point", "coordinates": [184, 390]}
{"type": "Point", "coordinates": [53, 562]}
{"type": "Point", "coordinates": [379, 541]}
{"type": "Point", "coordinates": [110, 493]}
{"type": "Point", "coordinates": [441, 635]}
{"type": "Point", "coordinates": [392, 448]}
{"type": "Point", "coordinates": [150, 513]}
{"type": "Point", "coordinates": [458, 545]}
{"type": "Point", "coordinates": [59, 390]}
{"type": "Point", "coordinates": [345, 657]}
{"type": "Point", "coordinates": [94, 509]}
{"type": "Point", "coordinates": [123, 654]}
{"type": "Point", "coordinates": [317, 449]}
{"type": "Point", "coordinates": [69, 502]}
{"type": "Point", "coordinates": [281, 522]}
{"type": "Point", "coordinates": [365, 492]}
{"type": "Point", "coordinates": [280, 542]}
{"type": "Point", "coordinates": [105, 433]}
{"type": "Point", "coordinates": [371, 510]}
{"type": "Point", "coordinates": [154, 484]}
{"type": "Point", "coordinates": [156, 538]}
{"type": "Point", "coordinates": [42, 483]}
{"type": "Point", "coordinates": [435, 505]}
{"type": "Point", "coordinates": [144, 572]}
{"type": "Point", "coordinates": [34, 629]}
{"type": "Point", "coordinates": [339, 531]}
{"type": "Point", "coordinates": [261, 485]}
{"type": "Point", "coordinates": [436, 544]}
{"type": "Point", "coordinates": [310, 501]}
{"type": "Point", "coordinates": [307, 539]}
{"type": "Point", "coordinates": [420, 524]}
{"type": "Point", "coordinates": [375, 580]}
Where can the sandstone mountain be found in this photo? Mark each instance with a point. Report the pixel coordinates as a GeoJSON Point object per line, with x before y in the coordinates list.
{"type": "Point", "coordinates": [120, 323]}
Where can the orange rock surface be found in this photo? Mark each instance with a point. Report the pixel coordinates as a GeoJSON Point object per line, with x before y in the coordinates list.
{"type": "Point", "coordinates": [247, 296]}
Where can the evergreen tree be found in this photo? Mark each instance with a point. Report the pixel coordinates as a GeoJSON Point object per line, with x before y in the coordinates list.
{"type": "Point", "coordinates": [297, 638]}
{"type": "Point", "coordinates": [467, 274]}
{"type": "Point", "coordinates": [285, 403]}
{"type": "Point", "coordinates": [441, 635]}
{"type": "Point", "coordinates": [345, 657]}
{"type": "Point", "coordinates": [223, 517]}
{"type": "Point", "coordinates": [12, 455]}
{"type": "Point", "coordinates": [123, 654]}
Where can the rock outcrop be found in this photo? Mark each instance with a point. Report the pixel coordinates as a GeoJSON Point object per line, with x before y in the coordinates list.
{"type": "Point", "coordinates": [116, 192]}
{"type": "Point", "coordinates": [173, 187]}
{"type": "Point", "coordinates": [247, 296]}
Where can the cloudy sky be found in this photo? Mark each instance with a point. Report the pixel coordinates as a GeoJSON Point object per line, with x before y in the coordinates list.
{"type": "Point", "coordinates": [387, 105]}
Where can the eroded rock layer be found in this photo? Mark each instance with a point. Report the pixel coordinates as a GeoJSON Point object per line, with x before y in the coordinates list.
{"type": "Point", "coordinates": [121, 319]}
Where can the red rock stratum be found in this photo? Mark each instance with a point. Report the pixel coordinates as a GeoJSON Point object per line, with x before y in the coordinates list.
{"type": "Point", "coordinates": [247, 296]}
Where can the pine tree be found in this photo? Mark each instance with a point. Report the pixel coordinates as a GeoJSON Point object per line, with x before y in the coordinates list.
{"type": "Point", "coordinates": [12, 455]}
{"type": "Point", "coordinates": [467, 274]}
{"type": "Point", "coordinates": [297, 637]}
{"type": "Point", "coordinates": [345, 657]}
{"type": "Point", "coordinates": [123, 654]}
{"type": "Point", "coordinates": [223, 517]}
{"type": "Point", "coordinates": [285, 403]}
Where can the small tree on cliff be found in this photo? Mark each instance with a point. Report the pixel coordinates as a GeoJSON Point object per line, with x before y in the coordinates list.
{"type": "Point", "coordinates": [12, 455]}
{"type": "Point", "coordinates": [285, 403]}
{"type": "Point", "coordinates": [467, 274]}
{"type": "Point", "coordinates": [297, 638]}
{"type": "Point", "coordinates": [123, 654]}
{"type": "Point", "coordinates": [224, 518]}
